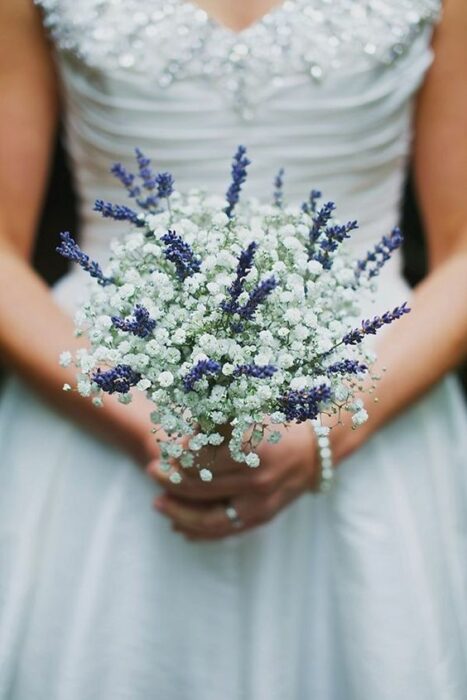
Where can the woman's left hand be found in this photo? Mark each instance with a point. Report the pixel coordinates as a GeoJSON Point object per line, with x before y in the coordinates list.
{"type": "Point", "coordinates": [197, 509]}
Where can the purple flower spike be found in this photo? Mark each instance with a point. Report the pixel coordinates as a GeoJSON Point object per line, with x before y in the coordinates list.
{"type": "Point", "coordinates": [257, 297]}
{"type": "Point", "coordinates": [304, 405]}
{"type": "Point", "coordinates": [180, 253]}
{"type": "Point", "coordinates": [146, 173]}
{"type": "Point", "coordinates": [371, 326]}
{"type": "Point", "coordinates": [165, 185]}
{"type": "Point", "coordinates": [119, 379]}
{"type": "Point", "coordinates": [245, 263]}
{"type": "Point", "coordinates": [310, 206]}
{"type": "Point", "coordinates": [320, 221]}
{"type": "Point", "coordinates": [118, 212]}
{"type": "Point", "coordinates": [380, 254]}
{"type": "Point", "coordinates": [127, 179]}
{"type": "Point", "coordinates": [329, 241]}
{"type": "Point", "coordinates": [278, 195]}
{"type": "Point", "coordinates": [347, 367]}
{"type": "Point", "coordinates": [256, 371]}
{"type": "Point", "coordinates": [141, 324]}
{"type": "Point", "coordinates": [239, 174]}
{"type": "Point", "coordinates": [71, 251]}
{"type": "Point", "coordinates": [202, 369]}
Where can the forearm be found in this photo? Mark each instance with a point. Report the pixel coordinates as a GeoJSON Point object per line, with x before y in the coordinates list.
{"type": "Point", "coordinates": [33, 332]}
{"type": "Point", "coordinates": [415, 352]}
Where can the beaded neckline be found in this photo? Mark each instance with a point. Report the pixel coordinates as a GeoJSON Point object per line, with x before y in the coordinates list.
{"type": "Point", "coordinates": [313, 38]}
{"type": "Point", "coordinates": [238, 33]}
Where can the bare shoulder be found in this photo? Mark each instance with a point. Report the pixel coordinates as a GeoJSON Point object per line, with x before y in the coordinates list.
{"type": "Point", "coordinates": [19, 20]}
{"type": "Point", "coordinates": [452, 30]}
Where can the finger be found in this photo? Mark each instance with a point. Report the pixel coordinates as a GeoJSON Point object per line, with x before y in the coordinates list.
{"type": "Point", "coordinates": [195, 536]}
{"type": "Point", "coordinates": [199, 517]}
{"type": "Point", "coordinates": [222, 487]}
{"type": "Point", "coordinates": [216, 459]}
{"type": "Point", "coordinates": [212, 520]}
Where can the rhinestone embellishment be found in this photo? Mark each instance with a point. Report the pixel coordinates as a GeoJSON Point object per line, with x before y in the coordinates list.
{"type": "Point", "coordinates": [174, 40]}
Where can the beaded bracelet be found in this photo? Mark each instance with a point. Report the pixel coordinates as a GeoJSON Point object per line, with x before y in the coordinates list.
{"type": "Point", "coordinates": [325, 456]}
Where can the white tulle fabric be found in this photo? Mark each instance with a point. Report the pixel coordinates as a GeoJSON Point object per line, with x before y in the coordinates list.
{"type": "Point", "coordinates": [357, 595]}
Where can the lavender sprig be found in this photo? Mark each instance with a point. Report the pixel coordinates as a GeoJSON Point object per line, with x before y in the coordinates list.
{"type": "Point", "coordinates": [347, 367]}
{"type": "Point", "coordinates": [181, 254]}
{"type": "Point", "coordinates": [256, 371]}
{"type": "Point", "coordinates": [165, 185]}
{"type": "Point", "coordinates": [146, 172]}
{"type": "Point", "coordinates": [245, 263]}
{"type": "Point", "coordinates": [380, 254]}
{"type": "Point", "coordinates": [149, 181]}
{"type": "Point", "coordinates": [118, 212]}
{"type": "Point", "coordinates": [127, 179]}
{"type": "Point", "coordinates": [203, 368]}
{"type": "Point", "coordinates": [330, 239]}
{"type": "Point", "coordinates": [309, 207]}
{"type": "Point", "coordinates": [141, 325]}
{"type": "Point", "coordinates": [371, 326]}
{"type": "Point", "coordinates": [119, 379]}
{"type": "Point", "coordinates": [257, 297]}
{"type": "Point", "coordinates": [278, 194]}
{"type": "Point", "coordinates": [71, 251]}
{"type": "Point", "coordinates": [320, 221]}
{"type": "Point", "coordinates": [239, 175]}
{"type": "Point", "coordinates": [304, 405]}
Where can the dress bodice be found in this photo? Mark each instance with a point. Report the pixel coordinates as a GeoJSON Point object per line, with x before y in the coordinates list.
{"type": "Point", "coordinates": [321, 87]}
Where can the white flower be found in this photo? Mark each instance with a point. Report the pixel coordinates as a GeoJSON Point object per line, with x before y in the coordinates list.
{"type": "Point", "coordinates": [341, 393]}
{"type": "Point", "coordinates": [165, 379]}
{"type": "Point", "coordinates": [104, 322]}
{"type": "Point", "coordinates": [314, 267]}
{"type": "Point", "coordinates": [143, 384]}
{"type": "Point", "coordinates": [301, 332]}
{"type": "Point", "coordinates": [278, 417]}
{"type": "Point", "coordinates": [252, 459]}
{"type": "Point", "coordinates": [87, 363]}
{"type": "Point", "coordinates": [298, 383]}
{"type": "Point", "coordinates": [360, 417]}
{"type": "Point", "coordinates": [293, 315]}
{"type": "Point", "coordinates": [206, 475]}
{"type": "Point", "coordinates": [179, 336]}
{"type": "Point", "coordinates": [286, 360]}
{"type": "Point", "coordinates": [175, 478]}
{"type": "Point", "coordinates": [126, 291]}
{"type": "Point", "coordinates": [67, 387]}
{"type": "Point", "coordinates": [216, 439]}
{"type": "Point", "coordinates": [65, 359]}
{"type": "Point", "coordinates": [263, 358]}
{"type": "Point", "coordinates": [84, 386]}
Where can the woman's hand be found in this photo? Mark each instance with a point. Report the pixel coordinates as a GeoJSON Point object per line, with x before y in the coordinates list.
{"type": "Point", "coordinates": [197, 509]}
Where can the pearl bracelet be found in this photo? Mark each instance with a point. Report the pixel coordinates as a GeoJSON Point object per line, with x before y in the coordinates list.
{"type": "Point", "coordinates": [325, 456]}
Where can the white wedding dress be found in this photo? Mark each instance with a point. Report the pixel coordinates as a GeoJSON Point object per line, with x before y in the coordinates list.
{"type": "Point", "coordinates": [357, 595]}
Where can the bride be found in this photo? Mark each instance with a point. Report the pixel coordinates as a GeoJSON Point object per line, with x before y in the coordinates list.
{"type": "Point", "coordinates": [252, 587]}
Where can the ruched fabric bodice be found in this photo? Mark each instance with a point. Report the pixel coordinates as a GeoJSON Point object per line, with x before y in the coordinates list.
{"type": "Point", "coordinates": [334, 109]}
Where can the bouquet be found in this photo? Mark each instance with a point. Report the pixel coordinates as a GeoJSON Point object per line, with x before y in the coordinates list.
{"type": "Point", "coordinates": [233, 318]}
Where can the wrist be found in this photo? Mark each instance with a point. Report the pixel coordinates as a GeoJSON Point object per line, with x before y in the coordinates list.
{"type": "Point", "coordinates": [344, 438]}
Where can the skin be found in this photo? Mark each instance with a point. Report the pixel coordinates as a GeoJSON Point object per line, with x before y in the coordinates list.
{"type": "Point", "coordinates": [435, 333]}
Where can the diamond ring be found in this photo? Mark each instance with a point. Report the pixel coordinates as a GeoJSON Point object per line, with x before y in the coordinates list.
{"type": "Point", "coordinates": [233, 516]}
